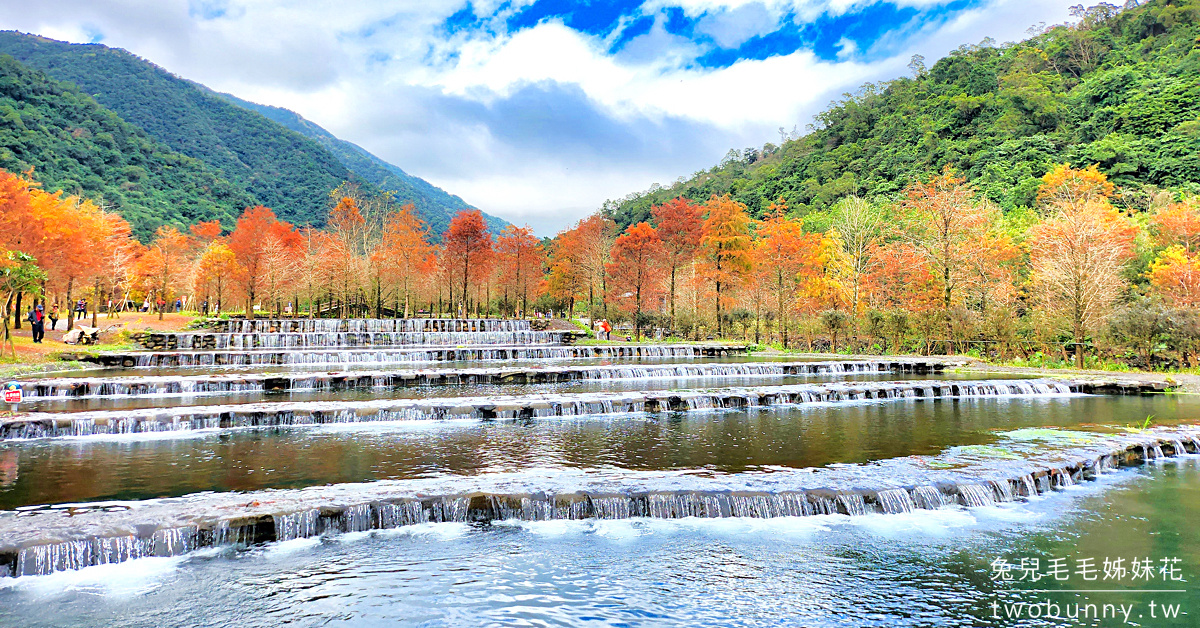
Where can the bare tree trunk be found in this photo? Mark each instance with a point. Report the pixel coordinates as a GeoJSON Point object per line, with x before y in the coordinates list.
{"type": "Point", "coordinates": [96, 305]}
{"type": "Point", "coordinates": [70, 305]}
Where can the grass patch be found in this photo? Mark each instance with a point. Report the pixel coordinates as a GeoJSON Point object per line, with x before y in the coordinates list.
{"type": "Point", "coordinates": [17, 371]}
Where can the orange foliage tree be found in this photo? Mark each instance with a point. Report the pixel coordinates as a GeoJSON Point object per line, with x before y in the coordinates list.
{"type": "Point", "coordinates": [311, 270]}
{"type": "Point", "coordinates": [215, 271]}
{"type": "Point", "coordinates": [785, 256]}
{"type": "Point", "coordinates": [946, 222]}
{"type": "Point", "coordinates": [21, 231]}
{"type": "Point", "coordinates": [636, 267]}
{"type": "Point", "coordinates": [163, 265]}
{"type": "Point", "coordinates": [1064, 185]}
{"type": "Point", "coordinates": [74, 241]}
{"type": "Point", "coordinates": [726, 247]}
{"type": "Point", "coordinates": [900, 278]}
{"type": "Point", "coordinates": [74, 236]}
{"type": "Point", "coordinates": [565, 282]}
{"type": "Point", "coordinates": [680, 223]}
{"type": "Point", "coordinates": [1174, 273]}
{"type": "Point", "coordinates": [256, 242]}
{"type": "Point", "coordinates": [577, 262]}
{"type": "Point", "coordinates": [520, 258]}
{"type": "Point", "coordinates": [206, 231]}
{"type": "Point", "coordinates": [1175, 276]}
{"type": "Point", "coordinates": [1178, 224]}
{"type": "Point", "coordinates": [402, 252]}
{"type": "Point", "coordinates": [1078, 253]}
{"type": "Point", "coordinates": [468, 252]}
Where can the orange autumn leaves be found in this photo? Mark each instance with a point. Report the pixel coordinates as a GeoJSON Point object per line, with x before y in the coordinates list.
{"type": "Point", "coordinates": [1079, 250]}
{"type": "Point", "coordinates": [74, 241]}
{"type": "Point", "coordinates": [1175, 273]}
{"type": "Point", "coordinates": [941, 248]}
{"type": "Point", "coordinates": [714, 251]}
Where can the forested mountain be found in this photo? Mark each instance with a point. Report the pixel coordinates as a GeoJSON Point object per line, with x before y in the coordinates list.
{"type": "Point", "coordinates": [289, 168]}
{"type": "Point", "coordinates": [434, 204]}
{"type": "Point", "coordinates": [74, 144]}
{"type": "Point", "coordinates": [279, 168]}
{"type": "Point", "coordinates": [1118, 88]}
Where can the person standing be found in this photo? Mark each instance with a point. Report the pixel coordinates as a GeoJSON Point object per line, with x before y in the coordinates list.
{"type": "Point", "coordinates": [37, 323]}
{"type": "Point", "coordinates": [53, 317]}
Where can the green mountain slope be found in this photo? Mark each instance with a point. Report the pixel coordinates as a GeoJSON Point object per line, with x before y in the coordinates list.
{"type": "Point", "coordinates": [1120, 89]}
{"type": "Point", "coordinates": [282, 160]}
{"type": "Point", "coordinates": [434, 204]}
{"type": "Point", "coordinates": [279, 168]}
{"type": "Point", "coordinates": [74, 144]}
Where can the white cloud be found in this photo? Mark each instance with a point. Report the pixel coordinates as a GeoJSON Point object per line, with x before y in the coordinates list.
{"type": "Point", "coordinates": [733, 27]}
{"type": "Point", "coordinates": [750, 92]}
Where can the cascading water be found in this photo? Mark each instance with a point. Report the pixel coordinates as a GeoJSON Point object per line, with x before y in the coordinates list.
{"type": "Point", "coordinates": [219, 519]}
{"type": "Point", "coordinates": [895, 501]}
{"type": "Point", "coordinates": [45, 542]}
{"type": "Point", "coordinates": [86, 387]}
{"type": "Point", "coordinates": [975, 495]}
{"type": "Point", "coordinates": [259, 415]}
{"type": "Point", "coordinates": [300, 357]}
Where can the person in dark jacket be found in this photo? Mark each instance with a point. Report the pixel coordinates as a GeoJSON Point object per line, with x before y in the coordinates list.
{"type": "Point", "coordinates": [37, 321]}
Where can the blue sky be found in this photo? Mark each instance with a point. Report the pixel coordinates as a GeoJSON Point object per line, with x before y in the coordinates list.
{"type": "Point", "coordinates": [539, 110]}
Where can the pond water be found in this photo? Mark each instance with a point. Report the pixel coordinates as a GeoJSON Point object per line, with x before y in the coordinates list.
{"type": "Point", "coordinates": [923, 569]}
{"type": "Point", "coordinates": [52, 471]}
{"type": "Point", "coordinates": [613, 517]}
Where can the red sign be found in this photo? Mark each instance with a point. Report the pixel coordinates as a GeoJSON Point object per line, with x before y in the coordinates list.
{"type": "Point", "coordinates": [12, 393]}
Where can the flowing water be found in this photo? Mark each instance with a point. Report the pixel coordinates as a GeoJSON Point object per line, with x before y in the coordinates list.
{"type": "Point", "coordinates": [713, 491]}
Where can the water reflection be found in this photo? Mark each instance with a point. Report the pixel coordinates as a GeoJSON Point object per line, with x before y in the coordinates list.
{"type": "Point", "coordinates": [8, 467]}
{"type": "Point", "coordinates": [68, 470]}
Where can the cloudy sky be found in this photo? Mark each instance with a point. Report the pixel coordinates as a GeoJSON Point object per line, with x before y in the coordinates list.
{"type": "Point", "coordinates": [539, 110]}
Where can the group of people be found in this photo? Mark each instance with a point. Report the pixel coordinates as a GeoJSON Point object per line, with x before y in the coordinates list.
{"type": "Point", "coordinates": [37, 319]}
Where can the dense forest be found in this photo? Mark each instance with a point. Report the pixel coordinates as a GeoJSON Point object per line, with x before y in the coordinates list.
{"type": "Point", "coordinates": [280, 168]}
{"type": "Point", "coordinates": [1120, 89]}
{"type": "Point", "coordinates": [75, 145]}
{"type": "Point", "coordinates": [291, 168]}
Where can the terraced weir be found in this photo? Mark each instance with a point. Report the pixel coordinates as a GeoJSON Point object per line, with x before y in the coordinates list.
{"type": "Point", "coordinates": [522, 482]}
{"type": "Point", "coordinates": [259, 415]}
{"type": "Point", "coordinates": [73, 387]}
